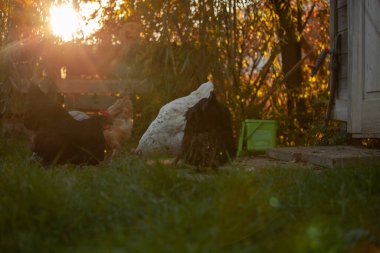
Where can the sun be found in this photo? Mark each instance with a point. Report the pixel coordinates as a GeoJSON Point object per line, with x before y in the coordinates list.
{"type": "Point", "coordinates": [69, 24]}
{"type": "Point", "coordinates": [64, 22]}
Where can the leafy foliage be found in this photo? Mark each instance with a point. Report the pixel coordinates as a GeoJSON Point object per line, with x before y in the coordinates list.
{"type": "Point", "coordinates": [236, 43]}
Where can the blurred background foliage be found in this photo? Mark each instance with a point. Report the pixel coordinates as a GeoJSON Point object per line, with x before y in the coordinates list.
{"type": "Point", "coordinates": [245, 47]}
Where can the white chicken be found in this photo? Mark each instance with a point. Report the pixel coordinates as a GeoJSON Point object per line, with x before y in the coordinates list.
{"type": "Point", "coordinates": [165, 133]}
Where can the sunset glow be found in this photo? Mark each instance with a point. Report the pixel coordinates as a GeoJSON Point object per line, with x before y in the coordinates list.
{"type": "Point", "coordinates": [69, 24]}
{"type": "Point", "coordinates": [64, 21]}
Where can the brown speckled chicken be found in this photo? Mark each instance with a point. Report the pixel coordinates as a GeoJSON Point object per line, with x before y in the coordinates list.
{"type": "Point", "coordinates": [121, 113]}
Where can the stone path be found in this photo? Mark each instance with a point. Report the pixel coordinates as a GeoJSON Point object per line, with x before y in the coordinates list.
{"type": "Point", "coordinates": [326, 156]}
{"type": "Point", "coordinates": [316, 157]}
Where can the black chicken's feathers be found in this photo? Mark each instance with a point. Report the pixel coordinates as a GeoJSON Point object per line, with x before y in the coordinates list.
{"type": "Point", "coordinates": [208, 138]}
{"type": "Point", "coordinates": [58, 138]}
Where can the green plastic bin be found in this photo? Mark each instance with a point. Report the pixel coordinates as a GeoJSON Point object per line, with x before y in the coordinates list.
{"type": "Point", "coordinates": [257, 135]}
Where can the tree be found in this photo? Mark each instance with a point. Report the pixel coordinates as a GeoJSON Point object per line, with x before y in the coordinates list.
{"type": "Point", "coordinates": [289, 30]}
{"type": "Point", "coordinates": [22, 22]}
{"type": "Point", "coordinates": [297, 32]}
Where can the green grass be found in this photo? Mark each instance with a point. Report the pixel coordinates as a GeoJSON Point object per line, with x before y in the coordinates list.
{"type": "Point", "coordinates": [128, 206]}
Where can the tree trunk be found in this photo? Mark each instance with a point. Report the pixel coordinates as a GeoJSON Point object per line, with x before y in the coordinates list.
{"type": "Point", "coordinates": [290, 54]}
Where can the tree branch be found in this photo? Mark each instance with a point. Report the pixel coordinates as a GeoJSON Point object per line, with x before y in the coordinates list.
{"type": "Point", "coordinates": [265, 70]}
{"type": "Point", "coordinates": [278, 82]}
{"type": "Point", "coordinates": [307, 19]}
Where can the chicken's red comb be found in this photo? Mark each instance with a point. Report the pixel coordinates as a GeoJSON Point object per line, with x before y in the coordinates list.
{"type": "Point", "coordinates": [106, 114]}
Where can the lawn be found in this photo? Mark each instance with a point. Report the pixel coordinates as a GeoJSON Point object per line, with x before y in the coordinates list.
{"type": "Point", "coordinates": [129, 206]}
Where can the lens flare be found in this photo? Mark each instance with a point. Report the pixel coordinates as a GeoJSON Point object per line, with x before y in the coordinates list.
{"type": "Point", "coordinates": [69, 24]}
{"type": "Point", "coordinates": [64, 21]}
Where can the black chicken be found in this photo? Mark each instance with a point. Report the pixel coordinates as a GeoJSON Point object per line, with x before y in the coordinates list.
{"type": "Point", "coordinates": [58, 138]}
{"type": "Point", "coordinates": [208, 138]}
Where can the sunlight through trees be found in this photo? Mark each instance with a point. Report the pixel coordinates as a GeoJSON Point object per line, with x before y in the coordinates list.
{"type": "Point", "coordinates": [245, 47]}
